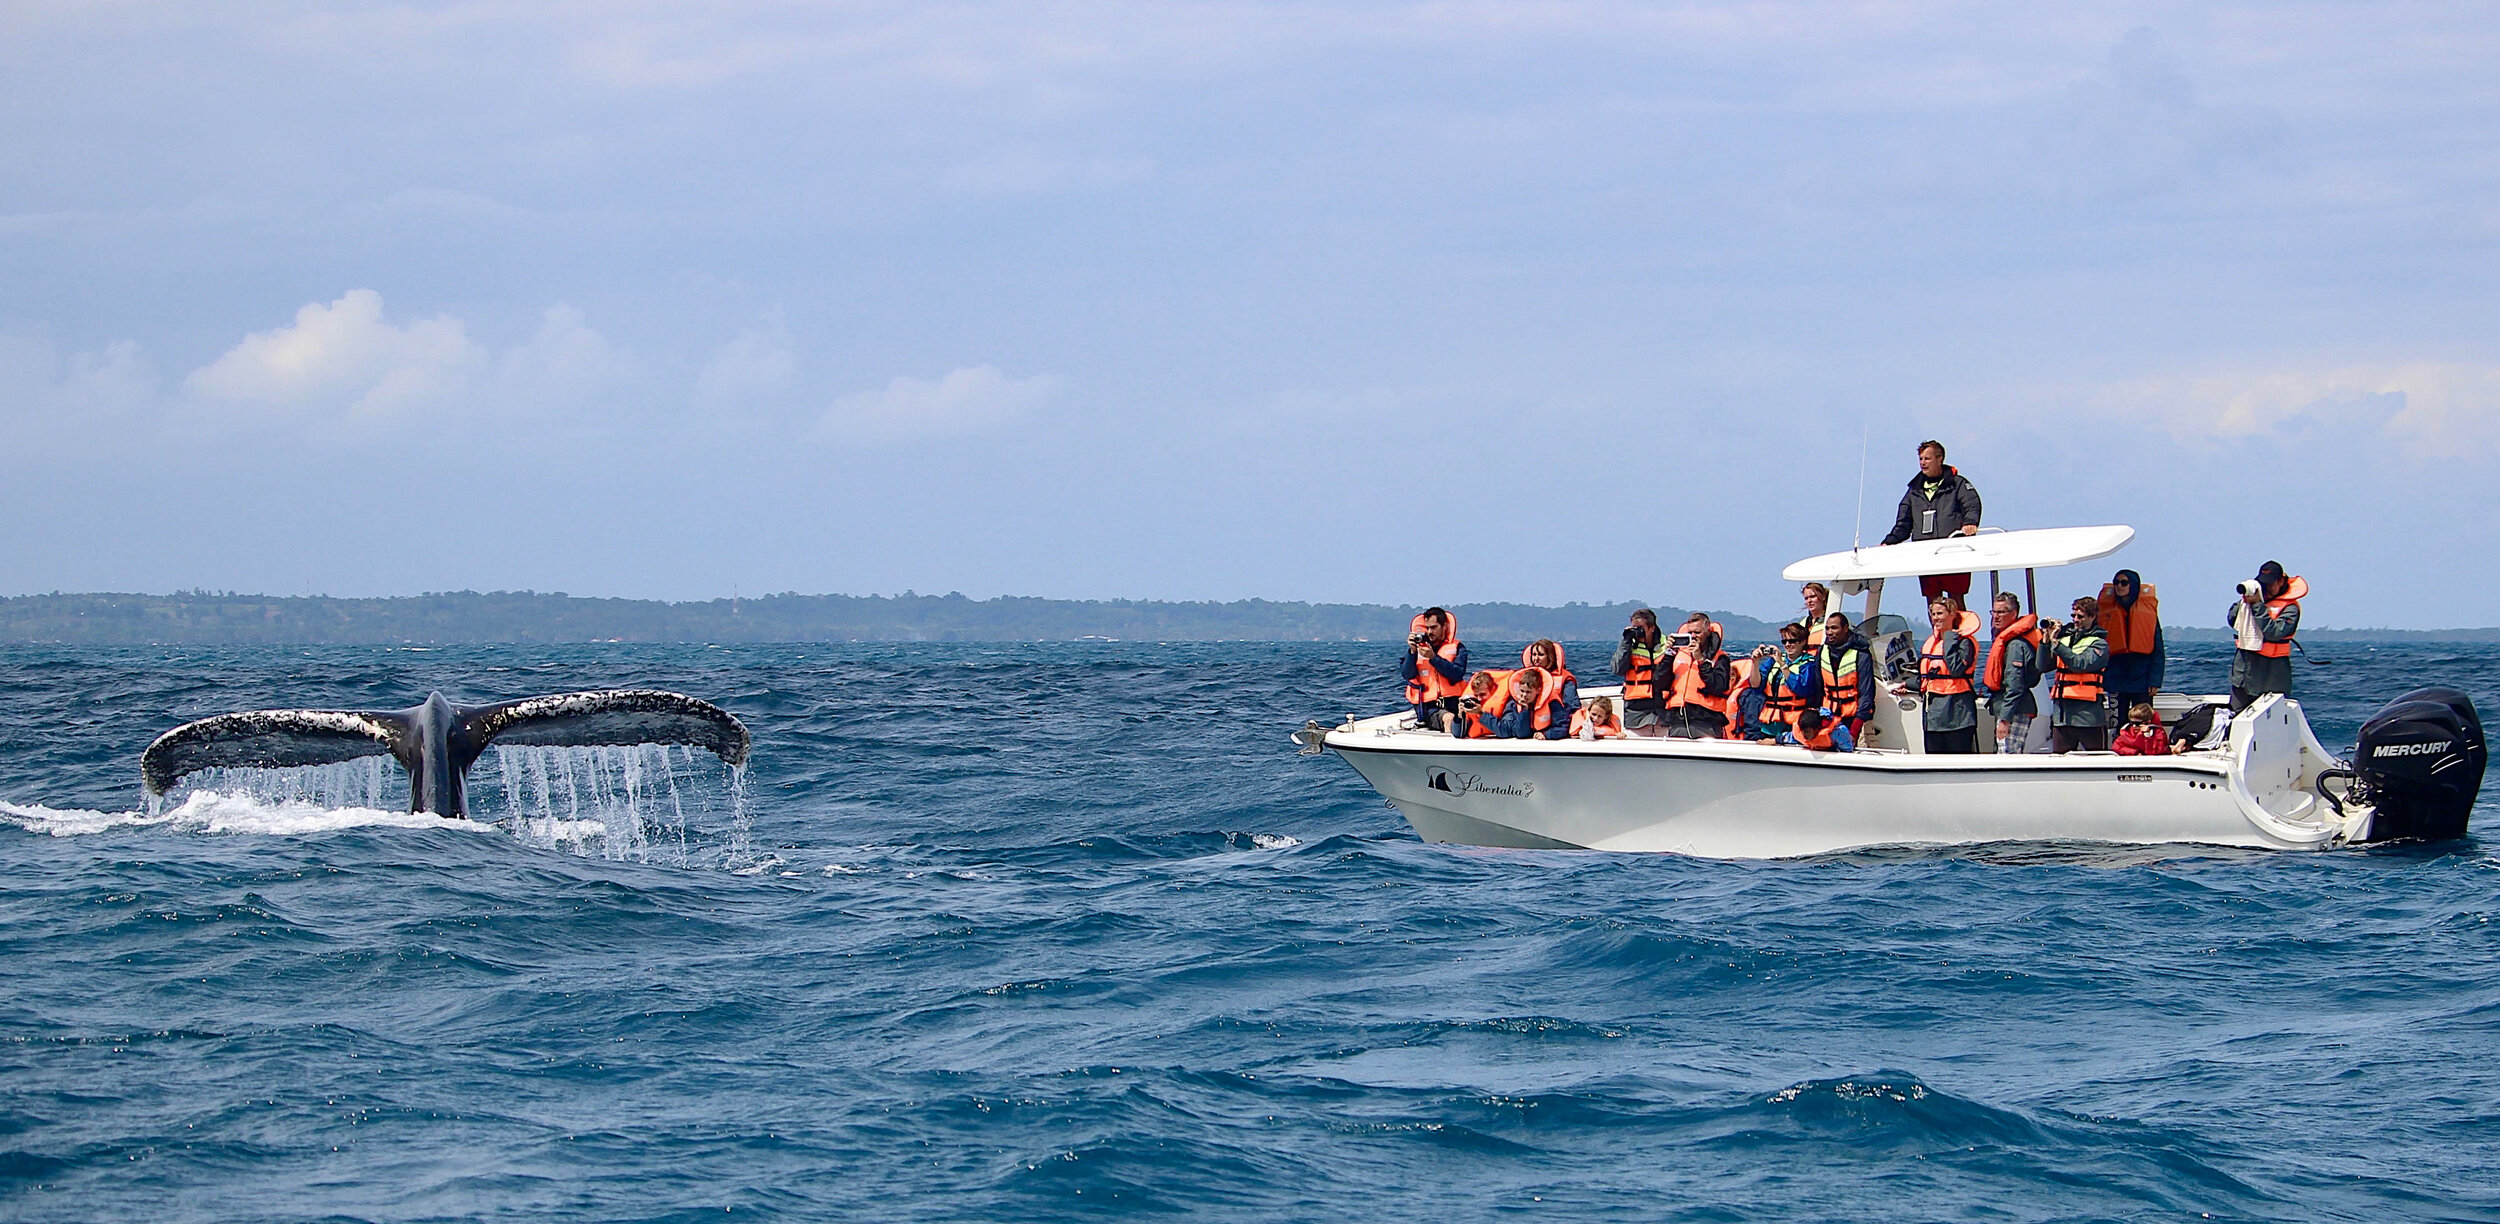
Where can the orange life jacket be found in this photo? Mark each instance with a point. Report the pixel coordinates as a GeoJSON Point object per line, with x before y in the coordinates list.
{"type": "Point", "coordinates": [1561, 675]}
{"type": "Point", "coordinates": [2293, 588]}
{"type": "Point", "coordinates": [1478, 723]}
{"type": "Point", "coordinates": [1549, 699]}
{"type": "Point", "coordinates": [2131, 630]}
{"type": "Point", "coordinates": [1786, 704]}
{"type": "Point", "coordinates": [1840, 685]}
{"type": "Point", "coordinates": [1820, 741]}
{"type": "Point", "coordinates": [2025, 628]}
{"type": "Point", "coordinates": [1581, 724]}
{"type": "Point", "coordinates": [1687, 672]}
{"type": "Point", "coordinates": [1935, 676]}
{"type": "Point", "coordinates": [1640, 677]}
{"type": "Point", "coordinates": [1429, 685]}
{"type": "Point", "coordinates": [2075, 685]}
{"type": "Point", "coordinates": [1740, 676]}
{"type": "Point", "coordinates": [1814, 632]}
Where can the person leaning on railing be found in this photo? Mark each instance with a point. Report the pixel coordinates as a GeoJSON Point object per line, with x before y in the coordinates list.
{"type": "Point", "coordinates": [1940, 502]}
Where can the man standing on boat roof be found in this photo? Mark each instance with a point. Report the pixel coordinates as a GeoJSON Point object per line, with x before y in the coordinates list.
{"type": "Point", "coordinates": [1939, 503]}
{"type": "Point", "coordinates": [2262, 625]}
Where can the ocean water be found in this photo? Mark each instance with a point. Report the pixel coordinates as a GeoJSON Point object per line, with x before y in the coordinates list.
{"type": "Point", "coordinates": [1069, 931]}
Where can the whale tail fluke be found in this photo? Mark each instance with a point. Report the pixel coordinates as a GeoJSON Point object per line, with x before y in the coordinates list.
{"type": "Point", "coordinates": [437, 742]}
{"type": "Point", "coordinates": [270, 739]}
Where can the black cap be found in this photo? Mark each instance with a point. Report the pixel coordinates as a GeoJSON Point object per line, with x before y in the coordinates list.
{"type": "Point", "coordinates": [2271, 571]}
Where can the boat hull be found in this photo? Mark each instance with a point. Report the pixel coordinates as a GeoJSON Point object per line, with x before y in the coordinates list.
{"type": "Point", "coordinates": [1725, 799]}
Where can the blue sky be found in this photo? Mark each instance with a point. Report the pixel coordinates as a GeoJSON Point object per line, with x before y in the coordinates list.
{"type": "Point", "coordinates": [1395, 302]}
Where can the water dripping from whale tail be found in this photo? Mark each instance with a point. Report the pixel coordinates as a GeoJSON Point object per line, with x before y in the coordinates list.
{"type": "Point", "coordinates": [437, 742]}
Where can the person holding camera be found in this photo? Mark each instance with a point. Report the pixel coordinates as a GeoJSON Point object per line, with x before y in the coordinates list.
{"type": "Point", "coordinates": [1697, 697]}
{"type": "Point", "coordinates": [1641, 661]}
{"type": "Point", "coordinates": [1435, 668]}
{"type": "Point", "coordinates": [1791, 684]}
{"type": "Point", "coordinates": [2079, 650]}
{"type": "Point", "coordinates": [1948, 713]}
{"type": "Point", "coordinates": [1524, 704]}
{"type": "Point", "coordinates": [2013, 668]}
{"type": "Point", "coordinates": [1939, 503]}
{"type": "Point", "coordinates": [2263, 624]}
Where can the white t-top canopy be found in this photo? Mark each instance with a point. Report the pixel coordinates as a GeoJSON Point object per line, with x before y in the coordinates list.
{"type": "Point", "coordinates": [1988, 550]}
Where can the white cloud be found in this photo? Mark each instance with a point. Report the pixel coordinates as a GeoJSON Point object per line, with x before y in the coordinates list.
{"type": "Point", "coordinates": [2424, 406]}
{"type": "Point", "coordinates": [967, 400]}
{"type": "Point", "coordinates": [755, 369]}
{"type": "Point", "coordinates": [566, 364]}
{"type": "Point", "coordinates": [344, 358]}
{"type": "Point", "coordinates": [91, 396]}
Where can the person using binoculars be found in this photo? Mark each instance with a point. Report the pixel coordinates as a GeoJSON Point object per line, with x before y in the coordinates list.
{"type": "Point", "coordinates": [2079, 650]}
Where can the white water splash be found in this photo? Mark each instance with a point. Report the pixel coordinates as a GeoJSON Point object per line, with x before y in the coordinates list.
{"type": "Point", "coordinates": [636, 802]}
{"type": "Point", "coordinates": [640, 803]}
{"type": "Point", "coordinates": [210, 811]}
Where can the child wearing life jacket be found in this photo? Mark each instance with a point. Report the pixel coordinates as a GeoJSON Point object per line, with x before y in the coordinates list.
{"type": "Point", "coordinates": [1525, 704]}
{"type": "Point", "coordinates": [1546, 653]}
{"type": "Point", "coordinates": [1819, 730]}
{"type": "Point", "coordinates": [2143, 735]}
{"type": "Point", "coordinates": [1597, 720]}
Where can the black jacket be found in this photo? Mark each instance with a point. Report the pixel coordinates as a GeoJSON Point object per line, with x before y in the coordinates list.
{"type": "Point", "coordinates": [1956, 505]}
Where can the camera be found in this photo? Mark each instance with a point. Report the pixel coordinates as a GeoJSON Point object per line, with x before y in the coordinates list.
{"type": "Point", "coordinates": [1417, 639]}
{"type": "Point", "coordinates": [1683, 640]}
{"type": "Point", "coordinates": [1470, 704]}
{"type": "Point", "coordinates": [2250, 586]}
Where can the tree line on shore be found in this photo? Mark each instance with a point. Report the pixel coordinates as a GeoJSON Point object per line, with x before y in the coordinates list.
{"type": "Point", "coordinates": [212, 618]}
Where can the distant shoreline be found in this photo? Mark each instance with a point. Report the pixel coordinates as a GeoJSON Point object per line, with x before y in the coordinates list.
{"type": "Point", "coordinates": [522, 617]}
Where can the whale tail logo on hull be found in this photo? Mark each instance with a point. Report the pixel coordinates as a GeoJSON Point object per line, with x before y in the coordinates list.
{"type": "Point", "coordinates": [437, 742]}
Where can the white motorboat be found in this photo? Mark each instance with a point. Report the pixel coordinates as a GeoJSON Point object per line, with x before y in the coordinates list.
{"type": "Point", "coordinates": [2257, 779]}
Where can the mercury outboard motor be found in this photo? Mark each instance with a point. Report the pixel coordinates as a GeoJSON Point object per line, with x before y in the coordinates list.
{"type": "Point", "coordinates": [2419, 765]}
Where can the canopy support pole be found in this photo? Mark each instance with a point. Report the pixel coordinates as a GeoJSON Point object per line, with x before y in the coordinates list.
{"type": "Point", "coordinates": [1990, 620]}
{"type": "Point", "coordinates": [1874, 599]}
{"type": "Point", "coordinates": [2031, 592]}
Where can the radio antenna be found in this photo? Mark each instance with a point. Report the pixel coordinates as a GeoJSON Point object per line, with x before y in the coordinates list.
{"type": "Point", "coordinates": [1857, 534]}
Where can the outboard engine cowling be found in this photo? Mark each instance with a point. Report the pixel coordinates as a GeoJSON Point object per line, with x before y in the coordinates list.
{"type": "Point", "coordinates": [2419, 764]}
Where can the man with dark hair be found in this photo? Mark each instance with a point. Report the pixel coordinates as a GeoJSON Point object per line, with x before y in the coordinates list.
{"type": "Point", "coordinates": [1434, 668]}
{"type": "Point", "coordinates": [1643, 661]}
{"type": "Point", "coordinates": [1939, 503]}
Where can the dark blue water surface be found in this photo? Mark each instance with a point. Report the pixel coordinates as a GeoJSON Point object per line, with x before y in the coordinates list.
{"type": "Point", "coordinates": [1059, 931]}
